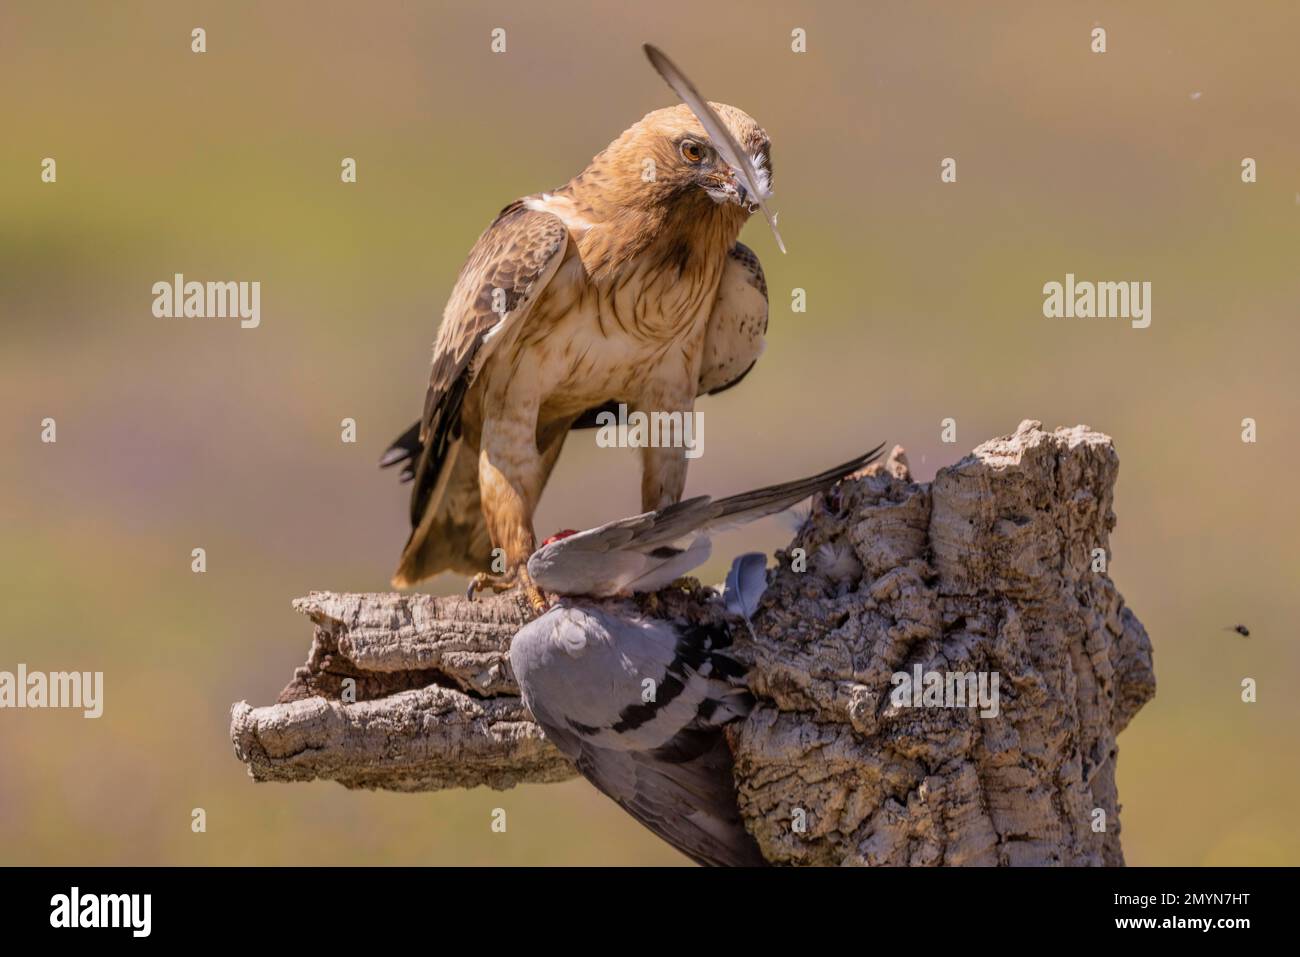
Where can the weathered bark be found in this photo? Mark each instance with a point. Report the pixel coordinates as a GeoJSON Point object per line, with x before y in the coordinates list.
{"type": "Point", "coordinates": [431, 703]}
{"type": "Point", "coordinates": [990, 569]}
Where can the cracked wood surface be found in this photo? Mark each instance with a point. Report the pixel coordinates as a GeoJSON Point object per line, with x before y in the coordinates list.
{"type": "Point", "coordinates": [989, 568]}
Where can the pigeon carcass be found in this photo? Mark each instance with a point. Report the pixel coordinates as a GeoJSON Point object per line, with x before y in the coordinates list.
{"type": "Point", "coordinates": [639, 702]}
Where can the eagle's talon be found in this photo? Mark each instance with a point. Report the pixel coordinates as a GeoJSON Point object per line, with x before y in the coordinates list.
{"type": "Point", "coordinates": [536, 600]}
{"type": "Point", "coordinates": [483, 581]}
{"type": "Point", "coordinates": [503, 583]}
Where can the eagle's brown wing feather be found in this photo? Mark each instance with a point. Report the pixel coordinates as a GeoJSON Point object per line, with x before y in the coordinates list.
{"type": "Point", "coordinates": [518, 254]}
{"type": "Point", "coordinates": [734, 339]}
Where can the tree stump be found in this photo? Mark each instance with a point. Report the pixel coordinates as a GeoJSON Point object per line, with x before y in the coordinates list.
{"type": "Point", "coordinates": [997, 567]}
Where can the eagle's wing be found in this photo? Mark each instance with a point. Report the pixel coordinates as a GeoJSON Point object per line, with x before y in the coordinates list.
{"type": "Point", "coordinates": [639, 705]}
{"type": "Point", "coordinates": [503, 277]}
{"type": "Point", "coordinates": [734, 338]}
{"type": "Point", "coordinates": [636, 553]}
{"type": "Point", "coordinates": [518, 254]}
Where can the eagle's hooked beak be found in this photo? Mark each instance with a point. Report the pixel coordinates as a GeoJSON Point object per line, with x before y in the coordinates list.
{"type": "Point", "coordinates": [726, 184]}
{"type": "Point", "coordinates": [738, 193]}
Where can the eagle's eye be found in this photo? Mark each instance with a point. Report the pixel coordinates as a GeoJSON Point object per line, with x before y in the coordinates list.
{"type": "Point", "coordinates": [692, 151]}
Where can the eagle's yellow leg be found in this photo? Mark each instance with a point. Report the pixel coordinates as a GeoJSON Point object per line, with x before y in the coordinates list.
{"type": "Point", "coordinates": [663, 469]}
{"type": "Point", "coordinates": [499, 583]}
{"type": "Point", "coordinates": [511, 474]}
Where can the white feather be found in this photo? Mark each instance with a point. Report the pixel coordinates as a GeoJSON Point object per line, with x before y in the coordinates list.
{"type": "Point", "coordinates": [726, 145]}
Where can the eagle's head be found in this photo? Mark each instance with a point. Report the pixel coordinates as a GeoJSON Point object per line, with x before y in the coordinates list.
{"type": "Point", "coordinates": [679, 163]}
{"type": "Point", "coordinates": [665, 177]}
{"type": "Point", "coordinates": [684, 178]}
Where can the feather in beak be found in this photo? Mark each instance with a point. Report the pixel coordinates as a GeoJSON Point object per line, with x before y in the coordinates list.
{"type": "Point", "coordinates": [730, 151]}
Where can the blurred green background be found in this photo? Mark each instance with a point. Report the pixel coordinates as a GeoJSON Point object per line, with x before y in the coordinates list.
{"type": "Point", "coordinates": [924, 302]}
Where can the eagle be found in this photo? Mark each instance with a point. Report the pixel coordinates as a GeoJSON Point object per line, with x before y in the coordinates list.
{"type": "Point", "coordinates": [625, 286]}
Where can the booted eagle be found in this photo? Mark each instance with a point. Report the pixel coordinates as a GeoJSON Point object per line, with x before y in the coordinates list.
{"type": "Point", "coordinates": [626, 285]}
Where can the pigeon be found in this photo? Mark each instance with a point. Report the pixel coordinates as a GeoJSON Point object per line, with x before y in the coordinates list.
{"type": "Point", "coordinates": [640, 703]}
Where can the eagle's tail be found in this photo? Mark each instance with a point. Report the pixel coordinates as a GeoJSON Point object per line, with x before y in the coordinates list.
{"type": "Point", "coordinates": [448, 532]}
{"type": "Point", "coordinates": [404, 451]}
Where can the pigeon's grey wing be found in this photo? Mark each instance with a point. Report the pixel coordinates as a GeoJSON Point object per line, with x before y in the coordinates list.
{"type": "Point", "coordinates": [707, 515]}
{"type": "Point", "coordinates": [690, 804]}
{"type": "Point", "coordinates": [602, 574]}
{"type": "Point", "coordinates": [639, 705]}
{"type": "Point", "coordinates": [603, 560]}
{"type": "Point", "coordinates": [667, 563]}
{"type": "Point", "coordinates": [577, 569]}
{"type": "Point", "coordinates": [703, 517]}
{"type": "Point", "coordinates": [748, 506]}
